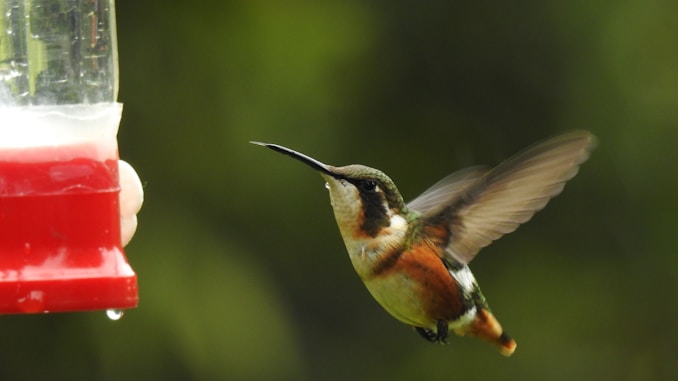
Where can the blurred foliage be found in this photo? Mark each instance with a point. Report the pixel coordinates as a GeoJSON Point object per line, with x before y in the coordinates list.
{"type": "Point", "coordinates": [243, 275]}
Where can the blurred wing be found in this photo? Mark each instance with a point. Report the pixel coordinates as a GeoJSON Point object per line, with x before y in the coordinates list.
{"type": "Point", "coordinates": [444, 191]}
{"type": "Point", "coordinates": [510, 194]}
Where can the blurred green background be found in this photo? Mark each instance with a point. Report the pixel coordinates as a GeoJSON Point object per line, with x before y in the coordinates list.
{"type": "Point", "coordinates": [242, 272]}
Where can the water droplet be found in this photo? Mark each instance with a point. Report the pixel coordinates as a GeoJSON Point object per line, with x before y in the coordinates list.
{"type": "Point", "coordinates": [114, 314]}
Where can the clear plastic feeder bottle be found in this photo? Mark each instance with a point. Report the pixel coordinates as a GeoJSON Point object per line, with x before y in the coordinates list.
{"type": "Point", "coordinates": [60, 247]}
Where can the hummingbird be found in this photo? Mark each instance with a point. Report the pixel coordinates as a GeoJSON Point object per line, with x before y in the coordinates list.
{"type": "Point", "coordinates": [413, 257]}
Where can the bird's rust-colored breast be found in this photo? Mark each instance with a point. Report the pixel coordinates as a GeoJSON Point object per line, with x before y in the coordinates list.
{"type": "Point", "coordinates": [421, 264]}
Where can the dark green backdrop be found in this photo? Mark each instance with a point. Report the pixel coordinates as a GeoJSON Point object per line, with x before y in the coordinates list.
{"type": "Point", "coordinates": [242, 272]}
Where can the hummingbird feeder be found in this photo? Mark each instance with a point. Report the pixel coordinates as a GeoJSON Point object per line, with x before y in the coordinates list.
{"type": "Point", "coordinates": [60, 244]}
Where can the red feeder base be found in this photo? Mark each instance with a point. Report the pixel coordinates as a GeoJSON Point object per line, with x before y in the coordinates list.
{"type": "Point", "coordinates": [60, 246]}
{"type": "Point", "coordinates": [112, 285]}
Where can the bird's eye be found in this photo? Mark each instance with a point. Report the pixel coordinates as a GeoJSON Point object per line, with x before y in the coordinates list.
{"type": "Point", "coordinates": [368, 185]}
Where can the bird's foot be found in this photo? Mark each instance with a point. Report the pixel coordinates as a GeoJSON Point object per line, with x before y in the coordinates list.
{"type": "Point", "coordinates": [435, 337]}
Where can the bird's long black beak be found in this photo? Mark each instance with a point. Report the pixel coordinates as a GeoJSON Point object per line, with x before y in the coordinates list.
{"type": "Point", "coordinates": [311, 162]}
